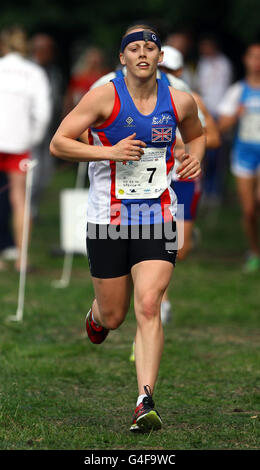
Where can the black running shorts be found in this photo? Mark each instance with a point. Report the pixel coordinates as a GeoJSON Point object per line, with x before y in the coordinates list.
{"type": "Point", "coordinates": [113, 250]}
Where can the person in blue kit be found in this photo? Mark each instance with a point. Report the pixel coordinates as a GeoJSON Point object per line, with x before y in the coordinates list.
{"type": "Point", "coordinates": [240, 108]}
{"type": "Point", "coordinates": [173, 60]}
{"type": "Point", "coordinates": [132, 124]}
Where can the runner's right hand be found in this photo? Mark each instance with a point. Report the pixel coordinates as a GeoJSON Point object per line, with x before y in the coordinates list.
{"type": "Point", "coordinates": [127, 149]}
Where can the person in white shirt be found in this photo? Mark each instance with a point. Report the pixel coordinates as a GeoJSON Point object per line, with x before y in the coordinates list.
{"type": "Point", "coordinates": [24, 115]}
{"type": "Point", "coordinates": [213, 77]}
{"type": "Point", "coordinates": [214, 74]}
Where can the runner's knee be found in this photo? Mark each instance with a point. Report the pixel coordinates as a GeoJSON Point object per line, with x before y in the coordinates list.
{"type": "Point", "coordinates": [249, 213]}
{"type": "Point", "coordinates": [112, 318]}
{"type": "Point", "coordinates": [148, 306]}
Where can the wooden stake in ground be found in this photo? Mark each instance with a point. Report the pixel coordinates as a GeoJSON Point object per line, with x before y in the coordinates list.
{"type": "Point", "coordinates": [24, 252]}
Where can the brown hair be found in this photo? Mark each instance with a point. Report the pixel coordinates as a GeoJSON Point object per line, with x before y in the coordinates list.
{"type": "Point", "coordinates": [145, 27]}
{"type": "Point", "coordinates": [14, 39]}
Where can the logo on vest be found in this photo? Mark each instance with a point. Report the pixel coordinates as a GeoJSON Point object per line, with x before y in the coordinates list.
{"type": "Point", "coordinates": [163, 119]}
{"type": "Point", "coordinates": [161, 134]}
{"type": "Point", "coordinates": [129, 122]}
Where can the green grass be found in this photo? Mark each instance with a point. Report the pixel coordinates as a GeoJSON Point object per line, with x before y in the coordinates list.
{"type": "Point", "coordinates": [58, 391]}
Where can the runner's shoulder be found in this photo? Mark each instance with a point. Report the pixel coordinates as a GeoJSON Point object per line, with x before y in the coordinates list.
{"type": "Point", "coordinates": [183, 100]}
{"type": "Point", "coordinates": [181, 95]}
{"type": "Point", "coordinates": [102, 98]}
{"type": "Point", "coordinates": [106, 92]}
{"type": "Point", "coordinates": [104, 80]}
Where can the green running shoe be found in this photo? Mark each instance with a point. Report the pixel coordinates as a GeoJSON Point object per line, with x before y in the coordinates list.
{"type": "Point", "coordinates": [146, 418]}
{"type": "Point", "coordinates": [132, 355]}
{"type": "Point", "coordinates": [252, 264]}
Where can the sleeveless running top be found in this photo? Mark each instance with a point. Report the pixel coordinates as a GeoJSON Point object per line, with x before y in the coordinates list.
{"type": "Point", "coordinates": [119, 73]}
{"type": "Point", "coordinates": [165, 78]}
{"type": "Point", "coordinates": [248, 132]}
{"type": "Point", "coordinates": [157, 130]}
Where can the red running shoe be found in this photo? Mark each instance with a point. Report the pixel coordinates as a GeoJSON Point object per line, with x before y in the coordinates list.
{"type": "Point", "coordinates": [146, 418]}
{"type": "Point", "coordinates": [97, 334]}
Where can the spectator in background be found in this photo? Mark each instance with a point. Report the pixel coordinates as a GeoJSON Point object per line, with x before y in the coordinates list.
{"type": "Point", "coordinates": [214, 73]}
{"type": "Point", "coordinates": [24, 116]}
{"type": "Point", "coordinates": [183, 42]}
{"type": "Point", "coordinates": [43, 51]}
{"type": "Point", "coordinates": [7, 246]}
{"type": "Point", "coordinates": [214, 76]}
{"type": "Point", "coordinates": [240, 108]}
{"type": "Point", "coordinates": [88, 69]}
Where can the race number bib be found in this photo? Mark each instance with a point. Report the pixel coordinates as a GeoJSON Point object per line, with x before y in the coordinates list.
{"type": "Point", "coordinates": [143, 179]}
{"type": "Point", "coordinates": [249, 128]}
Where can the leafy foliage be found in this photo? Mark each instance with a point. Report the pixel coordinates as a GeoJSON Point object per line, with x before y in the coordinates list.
{"type": "Point", "coordinates": [102, 22]}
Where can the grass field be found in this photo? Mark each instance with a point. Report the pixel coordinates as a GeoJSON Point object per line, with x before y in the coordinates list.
{"type": "Point", "coordinates": [58, 391]}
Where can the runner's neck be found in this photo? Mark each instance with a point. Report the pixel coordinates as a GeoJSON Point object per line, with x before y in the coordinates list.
{"type": "Point", "coordinates": [143, 93]}
{"type": "Point", "coordinates": [254, 80]}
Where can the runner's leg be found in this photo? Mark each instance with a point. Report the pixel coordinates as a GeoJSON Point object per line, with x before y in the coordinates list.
{"type": "Point", "coordinates": [187, 245]}
{"type": "Point", "coordinates": [150, 279]}
{"type": "Point", "coordinates": [112, 300]}
{"type": "Point", "coordinates": [246, 191]}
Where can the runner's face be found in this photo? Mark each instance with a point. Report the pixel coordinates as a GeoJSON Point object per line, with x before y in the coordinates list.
{"type": "Point", "coordinates": [141, 58]}
{"type": "Point", "coordinates": [252, 59]}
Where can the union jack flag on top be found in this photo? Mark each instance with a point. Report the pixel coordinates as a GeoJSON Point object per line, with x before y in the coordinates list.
{"type": "Point", "coordinates": [161, 134]}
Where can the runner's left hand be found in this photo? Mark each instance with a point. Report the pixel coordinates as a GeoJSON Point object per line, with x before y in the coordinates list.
{"type": "Point", "coordinates": [189, 167]}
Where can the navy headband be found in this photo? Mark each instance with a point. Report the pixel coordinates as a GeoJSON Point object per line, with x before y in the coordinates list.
{"type": "Point", "coordinates": [140, 36]}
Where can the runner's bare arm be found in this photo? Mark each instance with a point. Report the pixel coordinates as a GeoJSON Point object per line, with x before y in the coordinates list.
{"type": "Point", "coordinates": [226, 123]}
{"type": "Point", "coordinates": [192, 134]}
{"type": "Point", "coordinates": [84, 137]}
{"type": "Point", "coordinates": [94, 108]}
{"type": "Point", "coordinates": [211, 129]}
